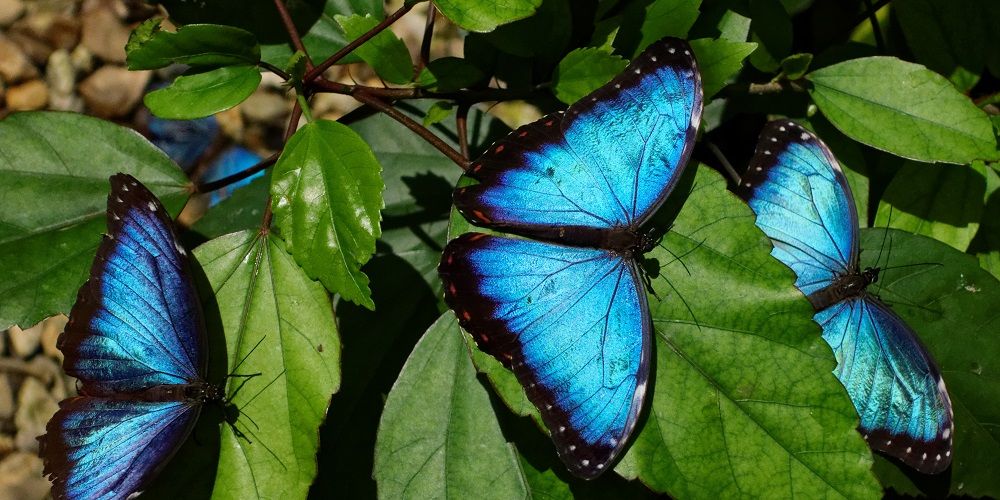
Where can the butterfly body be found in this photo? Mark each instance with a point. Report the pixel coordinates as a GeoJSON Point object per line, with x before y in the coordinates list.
{"type": "Point", "coordinates": [136, 343]}
{"type": "Point", "coordinates": [566, 310]}
{"type": "Point", "coordinates": [804, 204]}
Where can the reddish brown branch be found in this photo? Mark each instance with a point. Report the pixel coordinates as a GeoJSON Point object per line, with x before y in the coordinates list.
{"type": "Point", "coordinates": [293, 32]}
{"type": "Point", "coordinates": [425, 44]}
{"type": "Point", "coordinates": [417, 128]}
{"type": "Point", "coordinates": [461, 123]}
{"type": "Point", "coordinates": [208, 187]}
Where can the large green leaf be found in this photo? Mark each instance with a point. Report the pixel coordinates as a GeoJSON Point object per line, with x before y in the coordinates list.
{"type": "Point", "coordinates": [947, 36]}
{"type": "Point", "coordinates": [149, 47]}
{"type": "Point", "coordinates": [200, 94]}
{"type": "Point", "coordinates": [941, 201]}
{"type": "Point", "coordinates": [385, 52]}
{"type": "Point", "coordinates": [772, 29]}
{"type": "Point", "coordinates": [475, 15]}
{"type": "Point", "coordinates": [278, 324]}
{"type": "Point", "coordinates": [327, 196]}
{"type": "Point", "coordinates": [951, 303]}
{"type": "Point", "coordinates": [583, 71]}
{"type": "Point", "coordinates": [322, 36]}
{"type": "Point", "coordinates": [903, 108]}
{"type": "Point", "coordinates": [743, 397]}
{"type": "Point", "coordinates": [439, 436]}
{"type": "Point", "coordinates": [719, 60]}
{"type": "Point", "coordinates": [53, 197]}
{"type": "Point", "coordinates": [667, 18]}
{"type": "Point", "coordinates": [986, 244]}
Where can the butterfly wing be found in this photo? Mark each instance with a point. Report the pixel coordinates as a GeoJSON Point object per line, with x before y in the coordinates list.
{"type": "Point", "coordinates": [896, 387]}
{"type": "Point", "coordinates": [137, 321]}
{"type": "Point", "coordinates": [574, 325]}
{"type": "Point", "coordinates": [109, 448]}
{"type": "Point", "coordinates": [609, 161]}
{"type": "Point", "coordinates": [804, 204]}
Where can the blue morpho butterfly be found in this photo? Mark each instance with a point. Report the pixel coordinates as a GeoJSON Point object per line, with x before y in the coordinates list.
{"type": "Point", "coordinates": [568, 313]}
{"type": "Point", "coordinates": [804, 204]}
{"type": "Point", "coordinates": [136, 342]}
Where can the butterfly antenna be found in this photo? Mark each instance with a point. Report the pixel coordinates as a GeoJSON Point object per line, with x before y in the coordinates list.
{"type": "Point", "coordinates": [252, 349]}
{"type": "Point", "coordinates": [243, 435]}
{"type": "Point", "coordinates": [246, 378]}
{"type": "Point", "coordinates": [686, 305]}
{"type": "Point", "coordinates": [679, 258]}
{"type": "Point", "coordinates": [728, 167]}
{"type": "Point", "coordinates": [261, 391]}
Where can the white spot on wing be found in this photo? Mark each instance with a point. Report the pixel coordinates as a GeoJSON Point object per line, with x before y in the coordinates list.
{"type": "Point", "coordinates": [584, 462]}
{"type": "Point", "coordinates": [804, 136]}
{"type": "Point", "coordinates": [152, 206]}
{"type": "Point", "coordinates": [179, 248]}
{"type": "Point", "coordinates": [908, 450]}
{"type": "Point", "coordinates": [572, 447]}
{"type": "Point", "coordinates": [946, 434]}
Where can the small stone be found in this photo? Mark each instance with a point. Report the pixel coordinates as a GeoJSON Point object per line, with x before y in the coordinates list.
{"type": "Point", "coordinates": [113, 91]}
{"type": "Point", "coordinates": [57, 30]}
{"type": "Point", "coordinates": [104, 34]}
{"type": "Point", "coordinates": [28, 96]}
{"type": "Point", "coordinates": [24, 343]}
{"type": "Point", "coordinates": [6, 398]}
{"type": "Point", "coordinates": [6, 445]}
{"type": "Point", "coordinates": [231, 123]}
{"type": "Point", "coordinates": [15, 66]}
{"type": "Point", "coordinates": [35, 406]}
{"type": "Point", "coordinates": [59, 73]}
{"type": "Point", "coordinates": [54, 326]}
{"type": "Point", "coordinates": [82, 59]}
{"type": "Point", "coordinates": [265, 107]}
{"type": "Point", "coordinates": [10, 11]}
{"type": "Point", "coordinates": [47, 371]}
{"type": "Point", "coordinates": [21, 477]}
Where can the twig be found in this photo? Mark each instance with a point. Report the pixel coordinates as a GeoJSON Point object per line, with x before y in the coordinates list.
{"type": "Point", "coordinates": [293, 32]}
{"type": "Point", "coordinates": [409, 123]}
{"type": "Point", "coordinates": [425, 44]}
{"type": "Point", "coordinates": [208, 187]}
{"type": "Point", "coordinates": [397, 94]}
{"type": "Point", "coordinates": [340, 54]}
{"type": "Point", "coordinates": [777, 87]}
{"type": "Point", "coordinates": [461, 123]}
{"type": "Point", "coordinates": [274, 69]}
{"type": "Point", "coordinates": [876, 29]}
{"type": "Point", "coordinates": [293, 124]}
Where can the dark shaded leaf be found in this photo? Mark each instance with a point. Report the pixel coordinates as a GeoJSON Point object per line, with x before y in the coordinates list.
{"type": "Point", "coordinates": [205, 45]}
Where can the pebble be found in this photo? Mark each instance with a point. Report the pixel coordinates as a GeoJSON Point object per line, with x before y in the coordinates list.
{"type": "Point", "coordinates": [10, 11]}
{"type": "Point", "coordinates": [113, 91]}
{"type": "Point", "coordinates": [82, 59]}
{"type": "Point", "coordinates": [35, 406]}
{"type": "Point", "coordinates": [265, 107]}
{"type": "Point", "coordinates": [104, 34]}
{"type": "Point", "coordinates": [47, 371]}
{"type": "Point", "coordinates": [21, 477]}
{"type": "Point", "coordinates": [24, 343]}
{"type": "Point", "coordinates": [15, 66]}
{"type": "Point", "coordinates": [6, 398]}
{"type": "Point", "coordinates": [54, 326]}
{"type": "Point", "coordinates": [231, 123]}
{"type": "Point", "coordinates": [59, 73]}
{"type": "Point", "coordinates": [6, 445]}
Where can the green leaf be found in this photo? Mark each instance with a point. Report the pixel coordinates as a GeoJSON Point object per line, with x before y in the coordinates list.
{"type": "Point", "coordinates": [202, 45]}
{"type": "Point", "coordinates": [327, 196]}
{"type": "Point", "coordinates": [438, 112]}
{"type": "Point", "coordinates": [771, 28]}
{"type": "Point", "coordinates": [439, 437]}
{"type": "Point", "coordinates": [447, 74]}
{"type": "Point", "coordinates": [986, 244]}
{"type": "Point", "coordinates": [948, 37]}
{"type": "Point", "coordinates": [950, 302]}
{"type": "Point", "coordinates": [475, 15]}
{"type": "Point", "coordinates": [197, 95]}
{"type": "Point", "coordinates": [944, 202]}
{"type": "Point", "coordinates": [296, 69]}
{"type": "Point", "coordinates": [667, 18]}
{"type": "Point", "coordinates": [719, 61]}
{"type": "Point", "coordinates": [744, 401]}
{"type": "Point", "coordinates": [584, 70]}
{"type": "Point", "coordinates": [796, 65]}
{"type": "Point", "coordinates": [279, 324]}
{"type": "Point", "coordinates": [903, 108]}
{"type": "Point", "coordinates": [543, 37]}
{"type": "Point", "coordinates": [53, 198]}
{"type": "Point", "coordinates": [385, 52]}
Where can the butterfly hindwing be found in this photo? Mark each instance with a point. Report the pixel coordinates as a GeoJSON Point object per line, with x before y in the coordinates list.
{"type": "Point", "coordinates": [608, 161]}
{"type": "Point", "coordinates": [804, 204]}
{"type": "Point", "coordinates": [902, 401]}
{"type": "Point", "coordinates": [102, 448]}
{"type": "Point", "coordinates": [137, 321]}
{"type": "Point", "coordinates": [572, 323]}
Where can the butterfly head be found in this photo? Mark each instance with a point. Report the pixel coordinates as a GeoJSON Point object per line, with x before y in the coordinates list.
{"type": "Point", "coordinates": [870, 275]}
{"type": "Point", "coordinates": [204, 393]}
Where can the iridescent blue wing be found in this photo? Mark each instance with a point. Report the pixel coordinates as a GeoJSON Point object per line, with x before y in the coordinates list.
{"type": "Point", "coordinates": [804, 204]}
{"type": "Point", "coordinates": [574, 325]}
{"type": "Point", "coordinates": [100, 448]}
{"type": "Point", "coordinates": [896, 387]}
{"type": "Point", "coordinates": [137, 320]}
{"type": "Point", "coordinates": [609, 161]}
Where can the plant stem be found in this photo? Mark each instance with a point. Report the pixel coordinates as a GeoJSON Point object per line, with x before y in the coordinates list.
{"type": "Point", "coordinates": [461, 123]}
{"type": "Point", "coordinates": [293, 32]}
{"type": "Point", "coordinates": [208, 187]}
{"type": "Point", "coordinates": [274, 69]}
{"type": "Point", "coordinates": [304, 106]}
{"type": "Point", "coordinates": [397, 94]}
{"type": "Point", "coordinates": [876, 29]}
{"type": "Point", "coordinates": [406, 121]}
{"type": "Point", "coordinates": [340, 54]}
{"type": "Point", "coordinates": [776, 87]}
{"type": "Point", "coordinates": [425, 44]}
